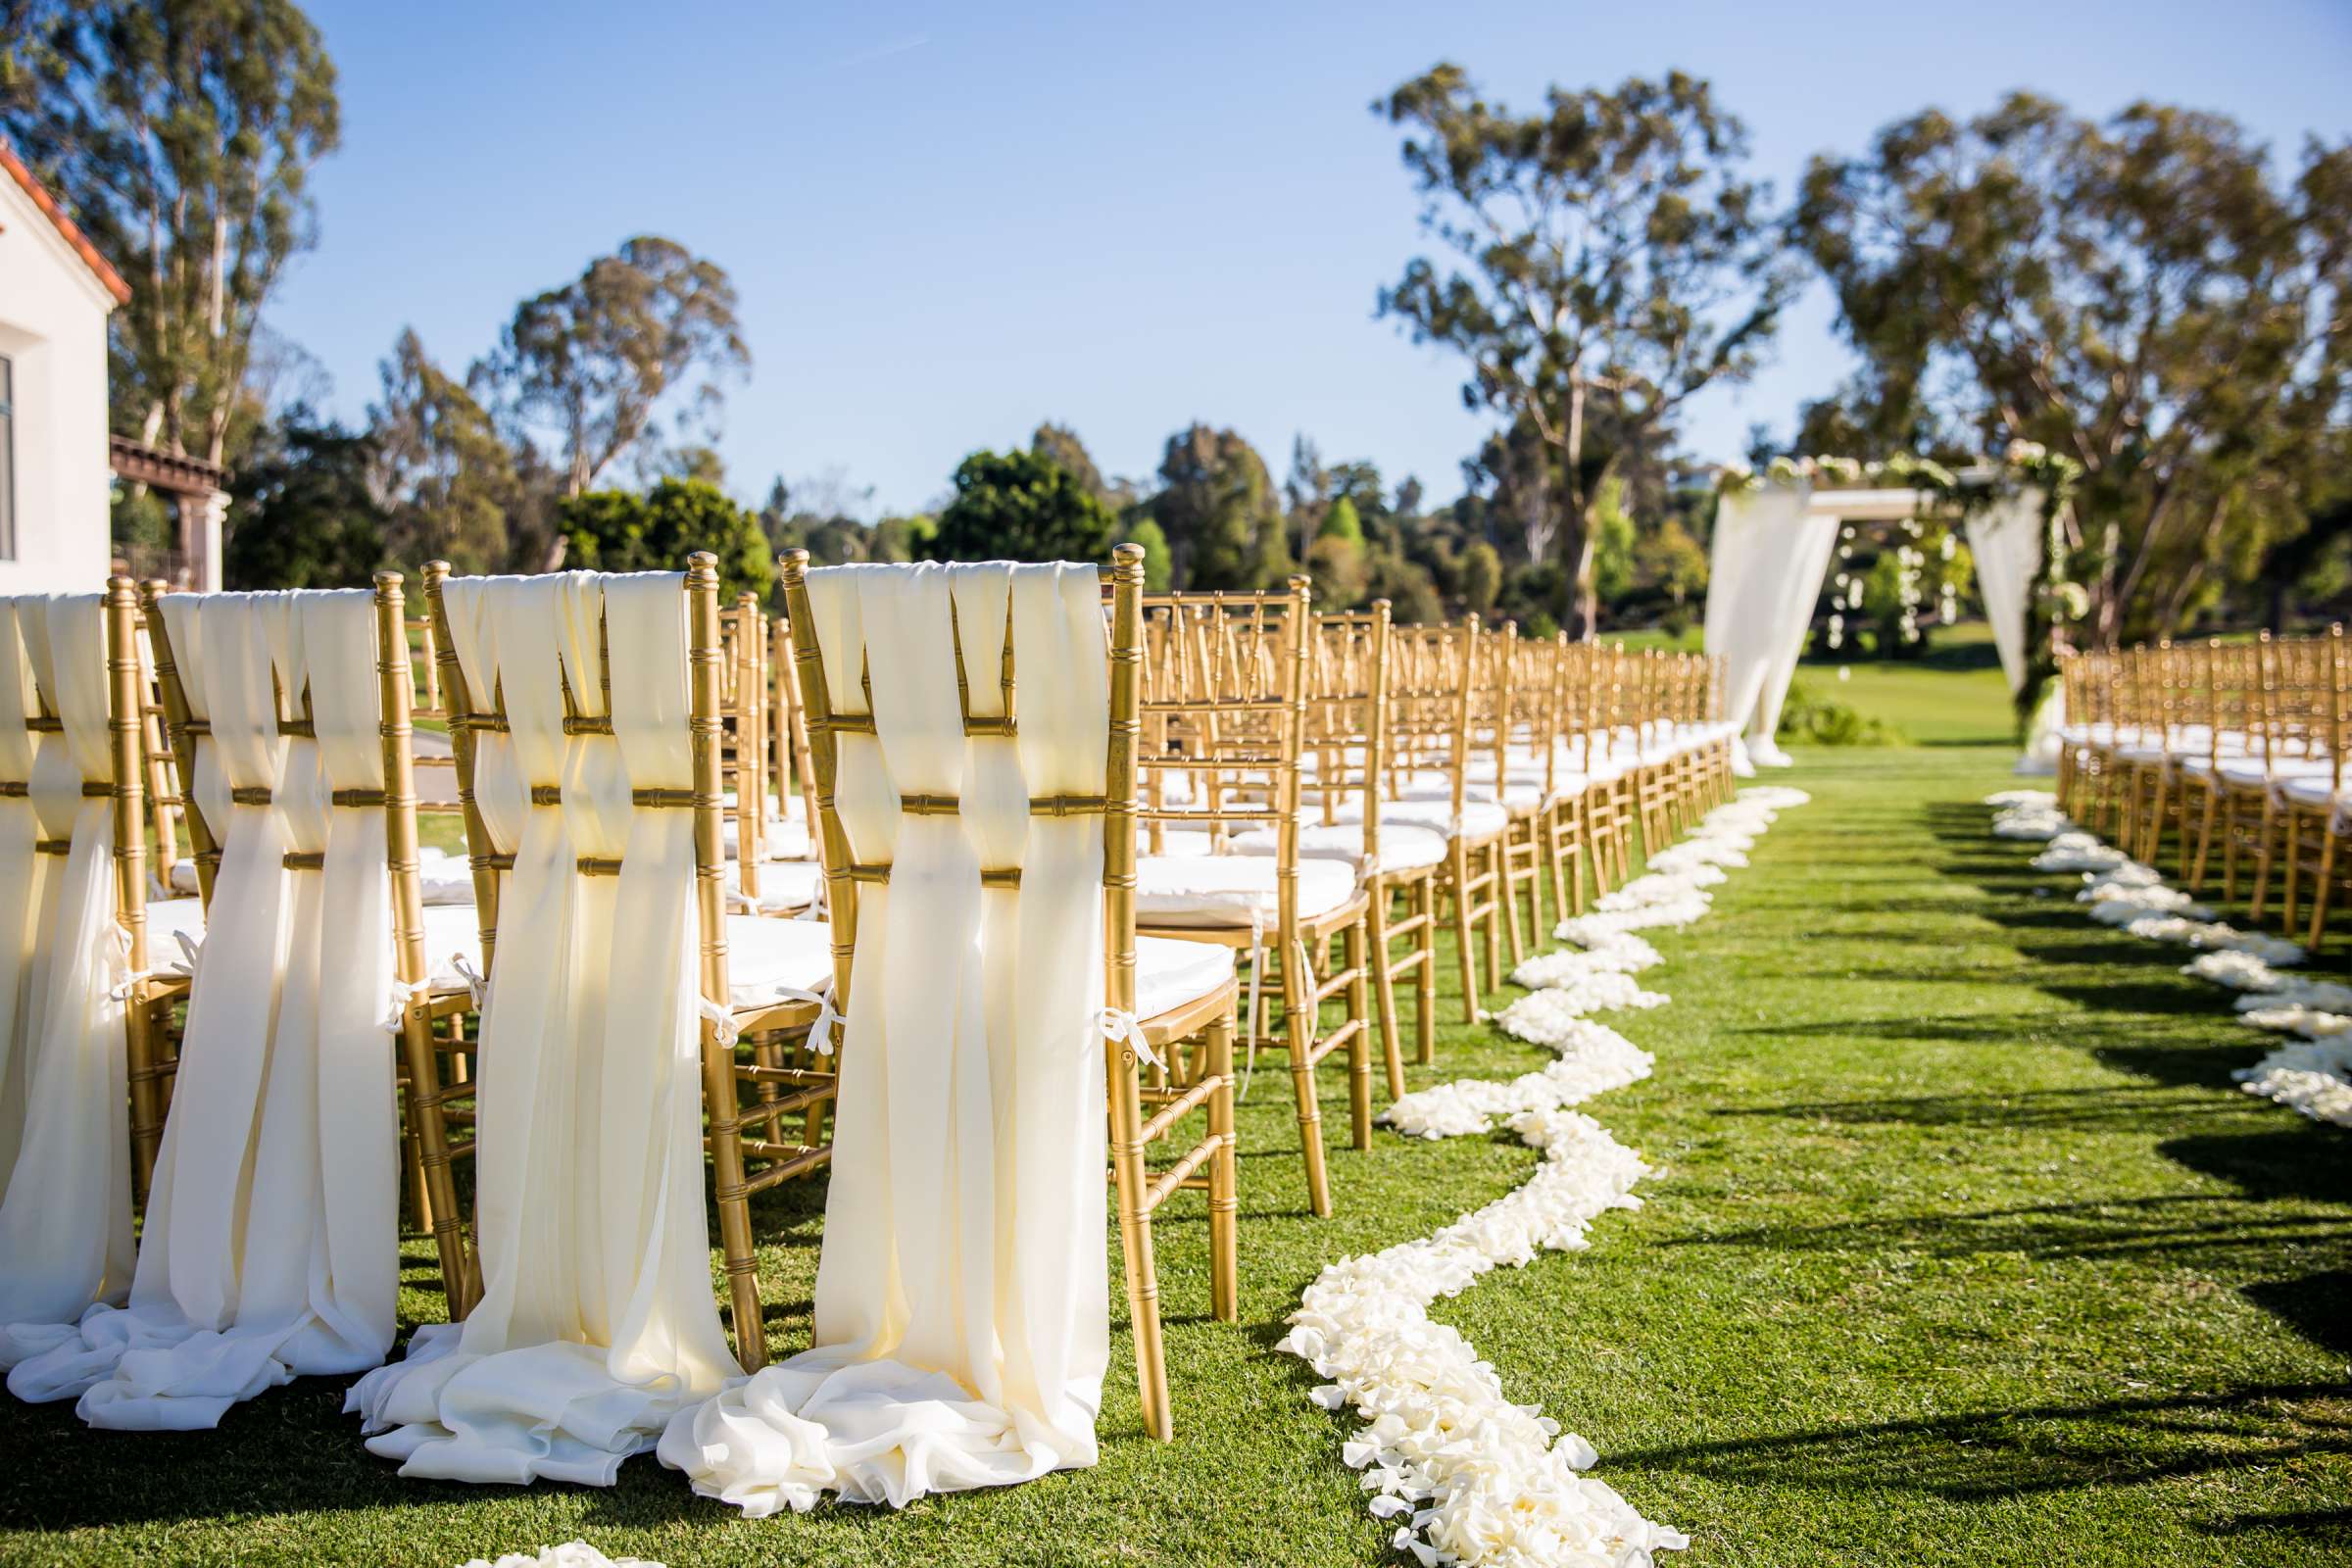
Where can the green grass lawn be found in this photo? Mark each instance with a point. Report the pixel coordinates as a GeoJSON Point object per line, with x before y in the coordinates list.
{"type": "Point", "coordinates": [1963, 1250]}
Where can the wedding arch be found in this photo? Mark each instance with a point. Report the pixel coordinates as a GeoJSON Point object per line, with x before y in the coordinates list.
{"type": "Point", "coordinates": [1776, 533]}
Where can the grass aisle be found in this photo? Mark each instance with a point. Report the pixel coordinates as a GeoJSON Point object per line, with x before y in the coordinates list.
{"type": "Point", "coordinates": [1966, 1250]}
{"type": "Point", "coordinates": [1963, 1250]}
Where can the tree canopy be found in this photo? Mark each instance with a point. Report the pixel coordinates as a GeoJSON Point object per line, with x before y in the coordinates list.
{"type": "Point", "coordinates": [589, 362]}
{"type": "Point", "coordinates": [2142, 296]}
{"type": "Point", "coordinates": [1217, 506]}
{"type": "Point", "coordinates": [1609, 259]}
{"type": "Point", "coordinates": [622, 530]}
{"type": "Point", "coordinates": [303, 512]}
{"type": "Point", "coordinates": [180, 135]}
{"type": "Point", "coordinates": [1019, 506]}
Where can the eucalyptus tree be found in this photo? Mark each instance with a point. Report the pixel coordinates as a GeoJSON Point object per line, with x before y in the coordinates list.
{"type": "Point", "coordinates": [591, 363]}
{"type": "Point", "coordinates": [445, 480]}
{"type": "Point", "coordinates": [1219, 510]}
{"type": "Point", "coordinates": [1608, 247]}
{"type": "Point", "coordinates": [2144, 296]}
{"type": "Point", "coordinates": [180, 135]}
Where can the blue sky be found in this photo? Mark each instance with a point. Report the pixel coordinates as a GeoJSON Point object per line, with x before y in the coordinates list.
{"type": "Point", "coordinates": [948, 222]}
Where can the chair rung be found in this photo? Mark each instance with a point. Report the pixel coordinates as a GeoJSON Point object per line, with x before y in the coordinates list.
{"type": "Point", "coordinates": [1169, 1180]}
{"type": "Point", "coordinates": [1334, 1041]}
{"type": "Point", "coordinates": [1184, 1104]}
{"type": "Point", "coordinates": [776, 1175]}
{"type": "Point", "coordinates": [1338, 983]}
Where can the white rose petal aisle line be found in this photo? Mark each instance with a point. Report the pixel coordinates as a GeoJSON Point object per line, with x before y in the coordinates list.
{"type": "Point", "coordinates": [1471, 1477]}
{"type": "Point", "coordinates": [2314, 1075]}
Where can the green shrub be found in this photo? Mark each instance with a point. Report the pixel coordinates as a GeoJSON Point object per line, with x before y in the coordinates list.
{"type": "Point", "coordinates": [1826, 722]}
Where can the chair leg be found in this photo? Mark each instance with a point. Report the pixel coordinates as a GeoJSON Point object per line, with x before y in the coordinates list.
{"type": "Point", "coordinates": [1135, 1242]}
{"type": "Point", "coordinates": [1465, 956]}
{"type": "Point", "coordinates": [2230, 847]}
{"type": "Point", "coordinates": [1425, 972]}
{"type": "Point", "coordinates": [1299, 1038]}
{"type": "Point", "coordinates": [1499, 898]}
{"type": "Point", "coordinates": [1355, 956]}
{"type": "Point", "coordinates": [725, 1112]}
{"type": "Point", "coordinates": [2192, 867]}
{"type": "Point", "coordinates": [412, 1166]}
{"type": "Point", "coordinates": [1392, 1050]}
{"type": "Point", "coordinates": [1554, 812]}
{"type": "Point", "coordinates": [2264, 856]}
{"type": "Point", "coordinates": [139, 1032]}
{"type": "Point", "coordinates": [1224, 1184]}
{"type": "Point", "coordinates": [2294, 865]}
{"type": "Point", "coordinates": [1506, 891]}
{"type": "Point", "coordinates": [460, 1286]}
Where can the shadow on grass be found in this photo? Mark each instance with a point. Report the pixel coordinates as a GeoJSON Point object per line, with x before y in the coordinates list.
{"type": "Point", "coordinates": [1987, 1454]}
{"type": "Point", "coordinates": [2206, 1228]}
{"type": "Point", "coordinates": [2124, 1107]}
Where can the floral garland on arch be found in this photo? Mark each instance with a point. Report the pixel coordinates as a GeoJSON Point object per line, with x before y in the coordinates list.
{"type": "Point", "coordinates": [1469, 1475]}
{"type": "Point", "coordinates": [2312, 1075]}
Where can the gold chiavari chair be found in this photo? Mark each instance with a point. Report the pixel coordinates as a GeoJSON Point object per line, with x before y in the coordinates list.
{"type": "Point", "coordinates": [1453, 713]}
{"type": "Point", "coordinates": [1166, 992]}
{"type": "Point", "coordinates": [2293, 752]}
{"type": "Point", "coordinates": [436, 994]}
{"type": "Point", "coordinates": [1224, 710]}
{"type": "Point", "coordinates": [1424, 722]}
{"type": "Point", "coordinates": [2313, 800]}
{"type": "Point", "coordinates": [1509, 775]}
{"type": "Point", "coordinates": [1612, 756]}
{"type": "Point", "coordinates": [2223, 689]}
{"type": "Point", "coordinates": [758, 975]}
{"type": "Point", "coordinates": [1562, 824]}
{"type": "Point", "coordinates": [1346, 759]}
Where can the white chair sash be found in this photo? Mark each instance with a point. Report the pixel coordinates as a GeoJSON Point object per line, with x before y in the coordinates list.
{"type": "Point", "coordinates": [597, 1321]}
{"type": "Point", "coordinates": [270, 1243]}
{"type": "Point", "coordinates": [961, 1311]}
{"type": "Point", "coordinates": [65, 1222]}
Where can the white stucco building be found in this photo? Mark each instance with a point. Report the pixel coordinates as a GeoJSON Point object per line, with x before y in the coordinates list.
{"type": "Point", "coordinates": [55, 292]}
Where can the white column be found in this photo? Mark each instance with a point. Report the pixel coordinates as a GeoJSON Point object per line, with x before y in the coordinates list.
{"type": "Point", "coordinates": [206, 562]}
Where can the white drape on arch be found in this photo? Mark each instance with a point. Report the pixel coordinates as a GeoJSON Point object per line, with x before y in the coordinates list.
{"type": "Point", "coordinates": [962, 1313]}
{"type": "Point", "coordinates": [2006, 539]}
{"type": "Point", "coordinates": [597, 1321]}
{"type": "Point", "coordinates": [271, 1245]}
{"type": "Point", "coordinates": [65, 1221]}
{"type": "Point", "coordinates": [1765, 569]}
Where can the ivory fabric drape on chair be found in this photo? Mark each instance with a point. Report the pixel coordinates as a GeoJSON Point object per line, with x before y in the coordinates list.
{"type": "Point", "coordinates": [65, 1221]}
{"type": "Point", "coordinates": [597, 1321]}
{"type": "Point", "coordinates": [1766, 564]}
{"type": "Point", "coordinates": [270, 1246]}
{"type": "Point", "coordinates": [961, 1314]}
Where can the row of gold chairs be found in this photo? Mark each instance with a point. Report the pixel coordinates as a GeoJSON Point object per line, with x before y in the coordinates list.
{"type": "Point", "coordinates": [1348, 786]}
{"type": "Point", "coordinates": [2227, 758]}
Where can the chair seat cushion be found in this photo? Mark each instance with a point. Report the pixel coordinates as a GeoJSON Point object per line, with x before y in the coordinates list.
{"type": "Point", "coordinates": [1229, 890]}
{"type": "Point", "coordinates": [1403, 848]}
{"type": "Point", "coordinates": [2250, 770]}
{"type": "Point", "coordinates": [167, 917]}
{"type": "Point", "coordinates": [2315, 789]}
{"type": "Point", "coordinates": [784, 886]}
{"type": "Point", "coordinates": [1170, 973]}
{"type": "Point", "coordinates": [764, 956]}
